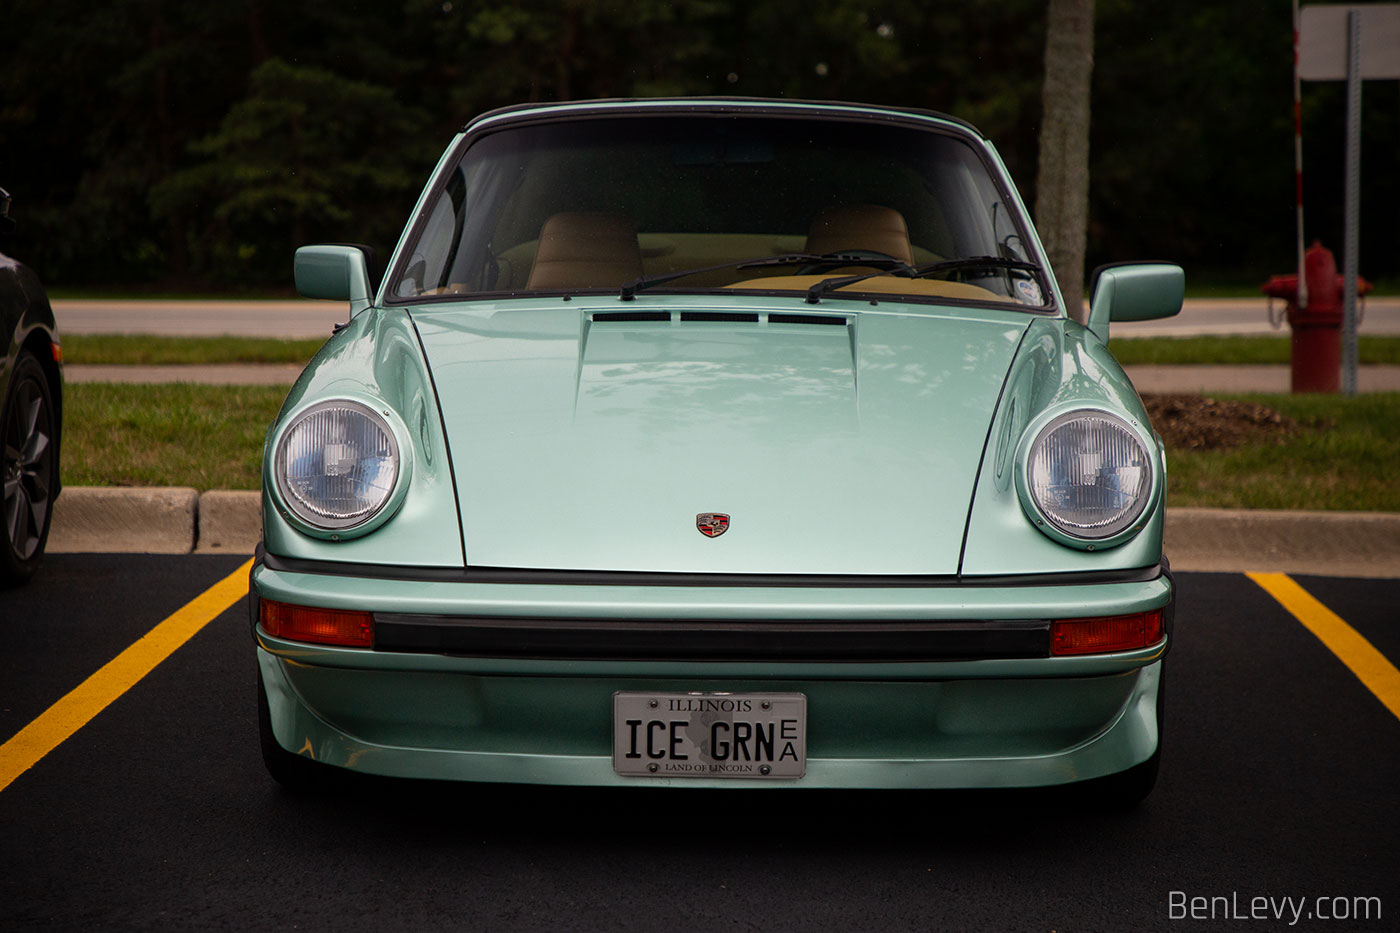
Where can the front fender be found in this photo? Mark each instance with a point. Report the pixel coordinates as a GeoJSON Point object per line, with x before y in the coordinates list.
{"type": "Point", "coordinates": [1059, 364]}
{"type": "Point", "coordinates": [377, 356]}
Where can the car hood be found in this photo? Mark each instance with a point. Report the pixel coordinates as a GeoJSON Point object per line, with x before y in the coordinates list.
{"type": "Point", "coordinates": [591, 437]}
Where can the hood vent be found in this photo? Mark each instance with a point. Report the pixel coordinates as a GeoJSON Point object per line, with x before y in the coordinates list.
{"type": "Point", "coordinates": [805, 319]}
{"type": "Point", "coordinates": [607, 317]}
{"type": "Point", "coordinates": [731, 317]}
{"type": "Point", "coordinates": [722, 317]}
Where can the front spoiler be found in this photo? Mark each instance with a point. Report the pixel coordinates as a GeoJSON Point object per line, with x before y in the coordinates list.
{"type": "Point", "coordinates": [988, 721]}
{"type": "Point", "coordinates": [864, 733]}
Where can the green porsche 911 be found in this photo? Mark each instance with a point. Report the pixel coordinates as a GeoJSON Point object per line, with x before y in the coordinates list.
{"type": "Point", "coordinates": [716, 442]}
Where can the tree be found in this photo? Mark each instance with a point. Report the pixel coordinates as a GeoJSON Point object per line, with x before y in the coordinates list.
{"type": "Point", "coordinates": [302, 158]}
{"type": "Point", "coordinates": [1062, 179]}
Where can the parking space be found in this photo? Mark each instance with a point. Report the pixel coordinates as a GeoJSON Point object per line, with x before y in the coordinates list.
{"type": "Point", "coordinates": [1279, 780]}
{"type": "Point", "coordinates": [82, 611]}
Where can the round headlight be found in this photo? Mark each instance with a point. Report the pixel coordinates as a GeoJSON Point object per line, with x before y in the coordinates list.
{"type": "Point", "coordinates": [1089, 475]}
{"type": "Point", "coordinates": [337, 465]}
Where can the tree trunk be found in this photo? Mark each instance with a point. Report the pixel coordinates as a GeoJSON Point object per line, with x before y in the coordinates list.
{"type": "Point", "coordinates": [167, 145]}
{"type": "Point", "coordinates": [1062, 181]}
{"type": "Point", "coordinates": [257, 34]}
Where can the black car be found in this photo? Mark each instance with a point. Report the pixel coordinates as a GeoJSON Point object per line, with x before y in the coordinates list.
{"type": "Point", "coordinates": [31, 385]}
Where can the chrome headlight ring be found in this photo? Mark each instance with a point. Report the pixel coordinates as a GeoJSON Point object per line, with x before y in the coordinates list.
{"type": "Point", "coordinates": [340, 467]}
{"type": "Point", "coordinates": [1087, 477]}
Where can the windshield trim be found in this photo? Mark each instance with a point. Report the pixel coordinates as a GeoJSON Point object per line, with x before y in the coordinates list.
{"type": "Point", "coordinates": [719, 106]}
{"type": "Point", "coordinates": [714, 108]}
{"type": "Point", "coordinates": [873, 299]}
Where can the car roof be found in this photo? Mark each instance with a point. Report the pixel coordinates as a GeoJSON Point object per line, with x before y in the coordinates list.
{"type": "Point", "coordinates": [716, 106]}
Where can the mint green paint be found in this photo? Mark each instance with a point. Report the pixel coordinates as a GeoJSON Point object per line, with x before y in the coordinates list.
{"type": "Point", "coordinates": [377, 359]}
{"type": "Point", "coordinates": [736, 104]}
{"type": "Point", "coordinates": [1142, 292]}
{"type": "Point", "coordinates": [335, 273]}
{"type": "Point", "coordinates": [709, 602]}
{"type": "Point", "coordinates": [931, 733]}
{"type": "Point", "coordinates": [1060, 366]}
{"type": "Point", "coordinates": [594, 445]}
{"type": "Point", "coordinates": [425, 198]}
{"type": "Point", "coordinates": [1036, 247]}
{"type": "Point", "coordinates": [852, 449]}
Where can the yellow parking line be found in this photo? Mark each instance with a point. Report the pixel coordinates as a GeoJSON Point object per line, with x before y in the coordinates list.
{"type": "Point", "coordinates": [116, 677]}
{"type": "Point", "coordinates": [1369, 665]}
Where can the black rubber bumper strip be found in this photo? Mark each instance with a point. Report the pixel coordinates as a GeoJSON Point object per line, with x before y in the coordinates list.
{"type": "Point", "coordinates": [710, 640]}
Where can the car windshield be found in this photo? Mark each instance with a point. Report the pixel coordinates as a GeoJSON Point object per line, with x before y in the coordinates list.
{"type": "Point", "coordinates": [751, 204]}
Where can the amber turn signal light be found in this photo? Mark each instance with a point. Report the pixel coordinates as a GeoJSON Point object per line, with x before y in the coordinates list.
{"type": "Point", "coordinates": [1103, 635]}
{"type": "Point", "coordinates": [321, 626]}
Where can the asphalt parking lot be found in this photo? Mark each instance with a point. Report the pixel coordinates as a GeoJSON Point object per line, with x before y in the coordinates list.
{"type": "Point", "coordinates": [1278, 804]}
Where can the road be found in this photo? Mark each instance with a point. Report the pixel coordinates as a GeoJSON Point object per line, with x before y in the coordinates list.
{"type": "Point", "coordinates": [299, 318]}
{"type": "Point", "coordinates": [1220, 316]}
{"type": "Point", "coordinates": [1279, 781]}
{"type": "Point", "coordinates": [302, 318]}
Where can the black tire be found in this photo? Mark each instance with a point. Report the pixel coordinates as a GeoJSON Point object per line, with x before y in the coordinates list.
{"type": "Point", "coordinates": [28, 470]}
{"type": "Point", "coordinates": [299, 775]}
{"type": "Point", "coordinates": [1127, 789]}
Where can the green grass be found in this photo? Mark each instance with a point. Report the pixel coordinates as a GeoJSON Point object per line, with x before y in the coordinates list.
{"type": "Point", "coordinates": [150, 351]}
{"type": "Point", "coordinates": [129, 350]}
{"type": "Point", "coordinates": [1236, 350]}
{"type": "Point", "coordinates": [208, 437]}
{"type": "Point", "coordinates": [1350, 465]}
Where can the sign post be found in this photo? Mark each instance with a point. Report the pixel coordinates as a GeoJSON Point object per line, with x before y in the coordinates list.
{"type": "Point", "coordinates": [1351, 43]}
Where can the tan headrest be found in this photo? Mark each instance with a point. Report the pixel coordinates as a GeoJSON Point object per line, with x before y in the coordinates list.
{"type": "Point", "coordinates": [860, 226]}
{"type": "Point", "coordinates": [586, 250]}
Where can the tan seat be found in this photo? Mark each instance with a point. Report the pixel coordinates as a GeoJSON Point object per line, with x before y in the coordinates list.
{"type": "Point", "coordinates": [860, 227]}
{"type": "Point", "coordinates": [586, 250]}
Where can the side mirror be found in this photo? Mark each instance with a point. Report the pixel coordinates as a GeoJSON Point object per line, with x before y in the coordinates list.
{"type": "Point", "coordinates": [336, 273]}
{"type": "Point", "coordinates": [1134, 291]}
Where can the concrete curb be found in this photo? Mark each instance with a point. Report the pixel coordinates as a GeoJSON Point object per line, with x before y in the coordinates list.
{"type": "Point", "coordinates": [1337, 544]}
{"type": "Point", "coordinates": [124, 520]}
{"type": "Point", "coordinates": [159, 520]}
{"type": "Point", "coordinates": [229, 520]}
{"type": "Point", "coordinates": [182, 521]}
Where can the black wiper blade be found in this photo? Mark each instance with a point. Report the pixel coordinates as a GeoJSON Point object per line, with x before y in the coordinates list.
{"type": "Point", "coordinates": [857, 257]}
{"type": "Point", "coordinates": [819, 289]}
{"type": "Point", "coordinates": [974, 262]}
{"type": "Point", "coordinates": [896, 267]}
{"type": "Point", "coordinates": [629, 290]}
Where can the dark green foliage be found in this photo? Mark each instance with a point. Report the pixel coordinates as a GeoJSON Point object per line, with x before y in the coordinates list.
{"type": "Point", "coordinates": [306, 154]}
{"type": "Point", "coordinates": [187, 145]}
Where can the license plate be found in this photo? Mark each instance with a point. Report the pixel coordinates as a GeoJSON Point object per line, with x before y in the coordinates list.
{"type": "Point", "coordinates": [728, 735]}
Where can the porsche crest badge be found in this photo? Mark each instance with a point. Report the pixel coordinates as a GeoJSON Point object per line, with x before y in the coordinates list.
{"type": "Point", "coordinates": [712, 524]}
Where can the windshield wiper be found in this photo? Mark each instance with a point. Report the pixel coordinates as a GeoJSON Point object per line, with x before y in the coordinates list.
{"type": "Point", "coordinates": [854, 257]}
{"type": "Point", "coordinates": [974, 262]}
{"type": "Point", "coordinates": [819, 289]}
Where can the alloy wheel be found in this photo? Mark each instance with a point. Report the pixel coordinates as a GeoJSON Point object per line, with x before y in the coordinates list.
{"type": "Point", "coordinates": [27, 464]}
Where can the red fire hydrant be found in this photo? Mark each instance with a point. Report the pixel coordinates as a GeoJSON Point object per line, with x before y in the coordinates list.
{"type": "Point", "coordinates": [1317, 329]}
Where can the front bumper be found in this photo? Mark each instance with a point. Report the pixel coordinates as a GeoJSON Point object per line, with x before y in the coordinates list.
{"type": "Point", "coordinates": [971, 720]}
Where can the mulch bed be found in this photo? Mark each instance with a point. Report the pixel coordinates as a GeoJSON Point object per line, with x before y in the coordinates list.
{"type": "Point", "coordinates": [1197, 422]}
